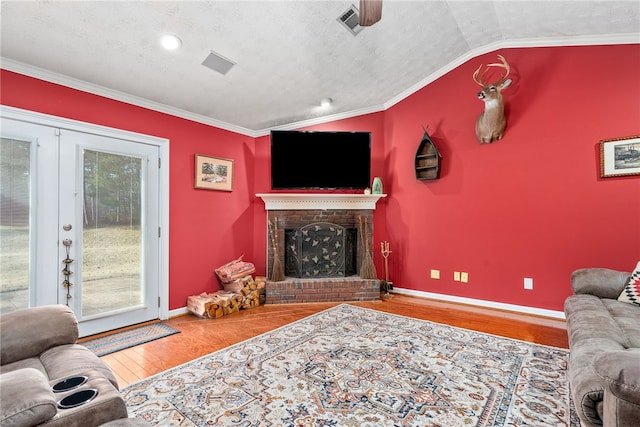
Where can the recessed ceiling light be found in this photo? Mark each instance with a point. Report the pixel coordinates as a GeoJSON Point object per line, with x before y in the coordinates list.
{"type": "Point", "coordinates": [326, 102]}
{"type": "Point", "coordinates": [170, 42]}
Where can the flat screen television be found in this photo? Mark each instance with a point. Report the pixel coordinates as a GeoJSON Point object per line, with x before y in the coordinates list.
{"type": "Point", "coordinates": [320, 160]}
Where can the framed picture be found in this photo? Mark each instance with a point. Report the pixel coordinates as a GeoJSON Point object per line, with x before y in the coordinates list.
{"type": "Point", "coordinates": [620, 157]}
{"type": "Point", "coordinates": [213, 173]}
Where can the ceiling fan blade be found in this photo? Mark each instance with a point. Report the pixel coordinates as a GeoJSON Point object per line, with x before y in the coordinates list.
{"type": "Point", "coordinates": [370, 12]}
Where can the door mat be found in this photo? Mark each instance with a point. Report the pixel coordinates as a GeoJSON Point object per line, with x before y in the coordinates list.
{"type": "Point", "coordinates": [129, 338]}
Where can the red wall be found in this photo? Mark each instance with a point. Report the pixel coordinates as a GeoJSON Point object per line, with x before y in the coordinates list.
{"type": "Point", "coordinates": [531, 205]}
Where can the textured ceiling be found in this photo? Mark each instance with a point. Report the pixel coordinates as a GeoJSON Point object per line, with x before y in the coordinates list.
{"type": "Point", "coordinates": [289, 54]}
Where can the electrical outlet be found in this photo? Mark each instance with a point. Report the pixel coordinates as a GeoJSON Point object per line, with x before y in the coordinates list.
{"type": "Point", "coordinates": [528, 283]}
{"type": "Point", "coordinates": [435, 274]}
{"type": "Point", "coordinates": [456, 276]}
{"type": "Point", "coordinates": [464, 277]}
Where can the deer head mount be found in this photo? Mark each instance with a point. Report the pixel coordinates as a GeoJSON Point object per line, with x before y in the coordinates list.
{"type": "Point", "coordinates": [491, 123]}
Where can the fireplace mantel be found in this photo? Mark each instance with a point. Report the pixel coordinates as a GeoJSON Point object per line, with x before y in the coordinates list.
{"type": "Point", "coordinates": [306, 201]}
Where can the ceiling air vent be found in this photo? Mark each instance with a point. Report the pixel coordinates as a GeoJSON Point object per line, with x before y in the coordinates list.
{"type": "Point", "coordinates": [349, 18]}
{"type": "Point", "coordinates": [218, 63]}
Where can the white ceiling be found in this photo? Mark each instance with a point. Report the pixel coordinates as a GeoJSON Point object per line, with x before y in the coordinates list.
{"type": "Point", "coordinates": [289, 54]}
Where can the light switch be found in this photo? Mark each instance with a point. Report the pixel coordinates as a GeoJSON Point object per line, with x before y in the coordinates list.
{"type": "Point", "coordinates": [528, 283]}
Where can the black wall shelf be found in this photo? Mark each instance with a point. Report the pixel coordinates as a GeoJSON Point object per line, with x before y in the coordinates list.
{"type": "Point", "coordinates": [428, 160]}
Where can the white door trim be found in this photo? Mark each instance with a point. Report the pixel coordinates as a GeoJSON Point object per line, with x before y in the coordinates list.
{"type": "Point", "coordinates": [163, 147]}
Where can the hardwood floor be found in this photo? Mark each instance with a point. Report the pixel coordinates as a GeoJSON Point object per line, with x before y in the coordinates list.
{"type": "Point", "coordinates": [199, 337]}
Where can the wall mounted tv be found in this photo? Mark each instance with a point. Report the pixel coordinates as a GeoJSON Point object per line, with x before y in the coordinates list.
{"type": "Point", "coordinates": [320, 160]}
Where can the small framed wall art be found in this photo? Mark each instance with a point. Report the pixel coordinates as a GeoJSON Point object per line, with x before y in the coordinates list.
{"type": "Point", "coordinates": [213, 173]}
{"type": "Point", "coordinates": [620, 157]}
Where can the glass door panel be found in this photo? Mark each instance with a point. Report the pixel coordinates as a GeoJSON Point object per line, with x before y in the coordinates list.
{"type": "Point", "coordinates": [112, 240]}
{"type": "Point", "coordinates": [15, 224]}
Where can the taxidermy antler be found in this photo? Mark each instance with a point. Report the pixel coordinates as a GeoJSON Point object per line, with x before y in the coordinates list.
{"type": "Point", "coordinates": [370, 12]}
{"type": "Point", "coordinates": [491, 123]}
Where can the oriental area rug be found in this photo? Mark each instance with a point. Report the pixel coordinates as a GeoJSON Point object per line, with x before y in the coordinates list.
{"type": "Point", "coordinates": [350, 366]}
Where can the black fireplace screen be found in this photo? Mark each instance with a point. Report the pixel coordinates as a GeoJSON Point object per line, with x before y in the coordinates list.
{"type": "Point", "coordinates": [321, 249]}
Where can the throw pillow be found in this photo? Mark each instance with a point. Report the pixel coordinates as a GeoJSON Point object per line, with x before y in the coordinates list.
{"type": "Point", "coordinates": [631, 291]}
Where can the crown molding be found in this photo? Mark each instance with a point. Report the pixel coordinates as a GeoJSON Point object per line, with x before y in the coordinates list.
{"type": "Point", "coordinates": [73, 83]}
{"type": "Point", "coordinates": [612, 39]}
{"type": "Point", "coordinates": [61, 79]}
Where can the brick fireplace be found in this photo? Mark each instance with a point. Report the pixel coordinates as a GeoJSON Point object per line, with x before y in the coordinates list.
{"type": "Point", "coordinates": [321, 242]}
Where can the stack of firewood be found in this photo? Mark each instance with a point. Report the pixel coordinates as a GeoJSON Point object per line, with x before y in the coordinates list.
{"type": "Point", "coordinates": [261, 285]}
{"type": "Point", "coordinates": [214, 305]}
{"type": "Point", "coordinates": [234, 270]}
{"type": "Point", "coordinates": [250, 289]}
{"type": "Point", "coordinates": [241, 291]}
{"type": "Point", "coordinates": [244, 293]}
{"type": "Point", "coordinates": [255, 291]}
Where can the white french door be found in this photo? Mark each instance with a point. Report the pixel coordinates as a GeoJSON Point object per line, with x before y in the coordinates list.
{"type": "Point", "coordinates": [80, 223]}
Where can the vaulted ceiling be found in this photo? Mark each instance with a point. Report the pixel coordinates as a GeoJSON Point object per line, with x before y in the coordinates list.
{"type": "Point", "coordinates": [288, 55]}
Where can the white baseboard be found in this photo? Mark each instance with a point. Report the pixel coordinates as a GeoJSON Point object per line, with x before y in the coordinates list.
{"type": "Point", "coordinates": [449, 298]}
{"type": "Point", "coordinates": [482, 303]}
{"type": "Point", "coordinates": [178, 312]}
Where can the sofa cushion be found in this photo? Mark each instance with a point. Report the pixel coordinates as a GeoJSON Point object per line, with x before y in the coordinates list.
{"type": "Point", "coordinates": [621, 372]}
{"type": "Point", "coordinates": [32, 362]}
{"type": "Point", "coordinates": [30, 331]}
{"type": "Point", "coordinates": [631, 291]}
{"type": "Point", "coordinates": [627, 317]}
{"type": "Point", "coordinates": [70, 360]}
{"type": "Point", "coordinates": [613, 331]}
{"type": "Point", "coordinates": [27, 399]}
{"type": "Point", "coordinates": [600, 282]}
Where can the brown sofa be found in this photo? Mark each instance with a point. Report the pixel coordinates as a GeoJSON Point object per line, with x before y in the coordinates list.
{"type": "Point", "coordinates": [38, 351]}
{"type": "Point", "coordinates": [604, 340]}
